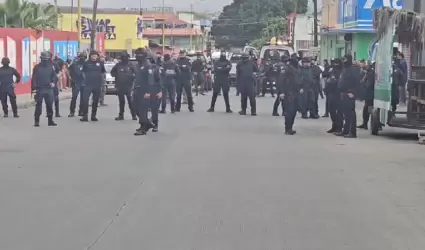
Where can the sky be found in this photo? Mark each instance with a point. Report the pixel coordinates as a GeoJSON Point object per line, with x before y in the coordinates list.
{"type": "Point", "coordinates": [199, 5]}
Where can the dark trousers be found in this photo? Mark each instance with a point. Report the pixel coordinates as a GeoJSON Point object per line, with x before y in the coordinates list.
{"type": "Point", "coordinates": [170, 92]}
{"type": "Point", "coordinates": [4, 94]}
{"type": "Point", "coordinates": [276, 104]}
{"type": "Point", "coordinates": [48, 96]}
{"type": "Point", "coordinates": [349, 111]}
{"type": "Point", "coordinates": [368, 104]}
{"type": "Point", "coordinates": [315, 102]}
{"type": "Point", "coordinates": [143, 107]}
{"type": "Point", "coordinates": [290, 102]}
{"type": "Point", "coordinates": [335, 111]}
{"type": "Point", "coordinates": [56, 102]}
{"type": "Point", "coordinates": [88, 91]}
{"type": "Point", "coordinates": [245, 95]}
{"type": "Point", "coordinates": [221, 84]}
{"type": "Point", "coordinates": [77, 90]}
{"type": "Point", "coordinates": [199, 81]}
{"type": "Point", "coordinates": [186, 87]}
{"type": "Point", "coordinates": [326, 105]}
{"type": "Point", "coordinates": [122, 94]}
{"type": "Point", "coordinates": [307, 103]}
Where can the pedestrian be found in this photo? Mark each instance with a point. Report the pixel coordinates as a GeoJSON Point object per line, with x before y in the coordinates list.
{"type": "Point", "coordinates": [369, 95]}
{"type": "Point", "coordinates": [170, 75]}
{"type": "Point", "coordinates": [94, 71]}
{"type": "Point", "coordinates": [77, 83]}
{"type": "Point", "coordinates": [316, 89]}
{"type": "Point", "coordinates": [7, 87]}
{"type": "Point", "coordinates": [325, 76]}
{"type": "Point", "coordinates": [147, 92]}
{"type": "Point", "coordinates": [184, 81]}
{"type": "Point", "coordinates": [403, 82]}
{"type": "Point", "coordinates": [103, 87]}
{"type": "Point", "coordinates": [43, 81]}
{"type": "Point", "coordinates": [307, 93]}
{"type": "Point", "coordinates": [289, 86]}
{"type": "Point", "coordinates": [222, 69]}
{"type": "Point", "coordinates": [198, 67]}
{"type": "Point", "coordinates": [57, 63]}
{"type": "Point", "coordinates": [334, 96]}
{"type": "Point", "coordinates": [282, 67]}
{"type": "Point", "coordinates": [246, 72]}
{"type": "Point", "coordinates": [347, 85]}
{"type": "Point", "coordinates": [124, 74]}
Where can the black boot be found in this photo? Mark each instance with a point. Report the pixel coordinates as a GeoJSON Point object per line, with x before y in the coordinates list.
{"type": "Point", "coordinates": [37, 122]}
{"type": "Point", "coordinates": [84, 118]}
{"type": "Point", "coordinates": [229, 111]}
{"type": "Point", "coordinates": [290, 132]}
{"type": "Point", "coordinates": [93, 118]}
{"type": "Point", "coordinates": [120, 117]}
{"type": "Point", "coordinates": [191, 109]}
{"type": "Point", "coordinates": [51, 122]}
{"type": "Point", "coordinates": [15, 115]}
{"type": "Point", "coordinates": [162, 111]}
{"type": "Point", "coordinates": [140, 131]}
{"type": "Point", "coordinates": [6, 115]}
{"type": "Point", "coordinates": [155, 127]}
{"type": "Point", "coordinates": [242, 112]}
{"type": "Point", "coordinates": [134, 117]}
{"type": "Point", "coordinates": [71, 114]}
{"type": "Point", "coordinates": [210, 110]}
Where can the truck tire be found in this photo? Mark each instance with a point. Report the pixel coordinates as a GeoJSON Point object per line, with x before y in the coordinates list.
{"type": "Point", "coordinates": [375, 123]}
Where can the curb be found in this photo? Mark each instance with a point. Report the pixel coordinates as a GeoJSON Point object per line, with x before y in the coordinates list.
{"type": "Point", "coordinates": [30, 103]}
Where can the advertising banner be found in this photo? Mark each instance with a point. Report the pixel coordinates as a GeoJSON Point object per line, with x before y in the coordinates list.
{"type": "Point", "coordinates": [100, 42]}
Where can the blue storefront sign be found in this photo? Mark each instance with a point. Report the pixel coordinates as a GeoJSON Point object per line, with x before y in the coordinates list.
{"type": "Point", "coordinates": [358, 14]}
{"type": "Point", "coordinates": [65, 49]}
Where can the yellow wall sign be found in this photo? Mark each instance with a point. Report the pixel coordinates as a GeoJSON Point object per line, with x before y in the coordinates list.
{"type": "Point", "coordinates": [118, 28]}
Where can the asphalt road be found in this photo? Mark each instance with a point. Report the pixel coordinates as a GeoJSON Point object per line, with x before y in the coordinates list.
{"type": "Point", "coordinates": [206, 181]}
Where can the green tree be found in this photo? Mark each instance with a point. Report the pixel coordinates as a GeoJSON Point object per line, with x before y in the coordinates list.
{"type": "Point", "coordinates": [25, 14]}
{"type": "Point", "coordinates": [243, 21]}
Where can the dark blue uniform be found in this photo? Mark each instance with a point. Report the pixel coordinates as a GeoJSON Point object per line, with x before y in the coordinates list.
{"type": "Point", "coordinates": [307, 95]}
{"type": "Point", "coordinates": [57, 65]}
{"type": "Point", "coordinates": [222, 69]}
{"type": "Point", "coordinates": [334, 97]}
{"type": "Point", "coordinates": [43, 83]}
{"type": "Point", "coordinates": [183, 83]}
{"type": "Point", "coordinates": [171, 73]}
{"type": "Point", "coordinates": [124, 74]}
{"type": "Point", "coordinates": [77, 83]}
{"type": "Point", "coordinates": [7, 88]}
{"type": "Point", "coordinates": [93, 79]}
{"type": "Point", "coordinates": [282, 67]}
{"type": "Point", "coordinates": [245, 79]}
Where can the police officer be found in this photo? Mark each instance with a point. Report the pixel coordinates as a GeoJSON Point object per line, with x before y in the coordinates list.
{"type": "Point", "coordinates": [43, 82]}
{"type": "Point", "coordinates": [94, 71]}
{"type": "Point", "coordinates": [347, 85]}
{"type": "Point", "coordinates": [333, 95]}
{"type": "Point", "coordinates": [222, 69]}
{"type": "Point", "coordinates": [57, 63]}
{"type": "Point", "coordinates": [289, 87]}
{"type": "Point", "coordinates": [124, 74]}
{"type": "Point", "coordinates": [282, 66]}
{"type": "Point", "coordinates": [316, 89]}
{"type": "Point", "coordinates": [77, 83]}
{"type": "Point", "coordinates": [245, 78]}
{"type": "Point", "coordinates": [325, 76]}
{"type": "Point", "coordinates": [307, 94]}
{"type": "Point", "coordinates": [171, 73]}
{"type": "Point", "coordinates": [369, 95]}
{"type": "Point", "coordinates": [7, 86]}
{"type": "Point", "coordinates": [103, 88]}
{"type": "Point", "coordinates": [198, 67]}
{"type": "Point", "coordinates": [147, 92]}
{"type": "Point", "coordinates": [184, 81]}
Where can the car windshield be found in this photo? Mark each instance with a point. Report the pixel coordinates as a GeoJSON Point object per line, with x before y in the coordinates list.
{"type": "Point", "coordinates": [274, 54]}
{"type": "Point", "coordinates": [108, 67]}
{"type": "Point", "coordinates": [236, 58]}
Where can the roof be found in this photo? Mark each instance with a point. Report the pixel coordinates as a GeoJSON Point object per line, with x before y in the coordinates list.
{"type": "Point", "coordinates": [89, 10]}
{"type": "Point", "coordinates": [170, 32]}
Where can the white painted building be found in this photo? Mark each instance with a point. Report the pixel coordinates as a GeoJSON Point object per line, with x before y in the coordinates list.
{"type": "Point", "coordinates": [303, 30]}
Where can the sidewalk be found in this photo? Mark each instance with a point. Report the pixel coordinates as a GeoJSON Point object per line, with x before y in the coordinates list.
{"type": "Point", "coordinates": [26, 100]}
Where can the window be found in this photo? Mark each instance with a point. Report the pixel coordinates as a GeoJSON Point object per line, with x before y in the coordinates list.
{"type": "Point", "coordinates": [148, 23]}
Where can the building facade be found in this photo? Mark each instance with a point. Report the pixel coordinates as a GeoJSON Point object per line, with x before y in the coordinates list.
{"type": "Point", "coordinates": [126, 29]}
{"type": "Point", "coordinates": [347, 27]}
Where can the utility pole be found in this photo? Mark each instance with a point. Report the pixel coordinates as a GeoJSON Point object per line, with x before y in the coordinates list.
{"type": "Point", "coordinates": [191, 25]}
{"type": "Point", "coordinates": [163, 28]}
{"type": "Point", "coordinates": [94, 26]}
{"type": "Point", "coordinates": [79, 25]}
{"type": "Point", "coordinates": [316, 38]}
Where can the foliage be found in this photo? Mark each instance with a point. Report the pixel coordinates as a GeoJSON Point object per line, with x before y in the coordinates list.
{"type": "Point", "coordinates": [25, 14]}
{"type": "Point", "coordinates": [247, 20]}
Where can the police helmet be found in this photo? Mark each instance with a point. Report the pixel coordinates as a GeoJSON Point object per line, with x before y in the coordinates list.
{"type": "Point", "coordinates": [167, 57]}
{"type": "Point", "coordinates": [82, 55]}
{"type": "Point", "coordinates": [141, 52]}
{"type": "Point", "coordinates": [284, 58]}
{"type": "Point", "coordinates": [45, 55]}
{"type": "Point", "coordinates": [294, 56]}
{"type": "Point", "coordinates": [124, 54]}
{"type": "Point", "coordinates": [5, 60]}
{"type": "Point", "coordinates": [93, 52]}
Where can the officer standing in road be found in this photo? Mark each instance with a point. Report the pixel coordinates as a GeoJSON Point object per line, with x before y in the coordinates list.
{"type": "Point", "coordinates": [103, 88]}
{"type": "Point", "coordinates": [347, 85]}
{"type": "Point", "coordinates": [334, 96]}
{"type": "Point", "coordinates": [369, 95]}
{"type": "Point", "coordinates": [7, 87]}
{"type": "Point", "coordinates": [282, 66]}
{"type": "Point", "coordinates": [94, 71]}
{"type": "Point", "coordinates": [57, 63]}
{"type": "Point", "coordinates": [245, 78]}
{"type": "Point", "coordinates": [307, 96]}
{"type": "Point", "coordinates": [316, 89]}
{"type": "Point", "coordinates": [171, 73]}
{"type": "Point", "coordinates": [77, 83]}
{"type": "Point", "coordinates": [156, 92]}
{"type": "Point", "coordinates": [184, 81]}
{"type": "Point", "coordinates": [289, 87]}
{"type": "Point", "coordinates": [198, 67]}
{"type": "Point", "coordinates": [43, 82]}
{"type": "Point", "coordinates": [147, 93]}
{"type": "Point", "coordinates": [124, 74]}
{"type": "Point", "coordinates": [222, 69]}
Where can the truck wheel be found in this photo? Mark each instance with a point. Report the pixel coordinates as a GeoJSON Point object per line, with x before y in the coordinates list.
{"type": "Point", "coordinates": [375, 123]}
